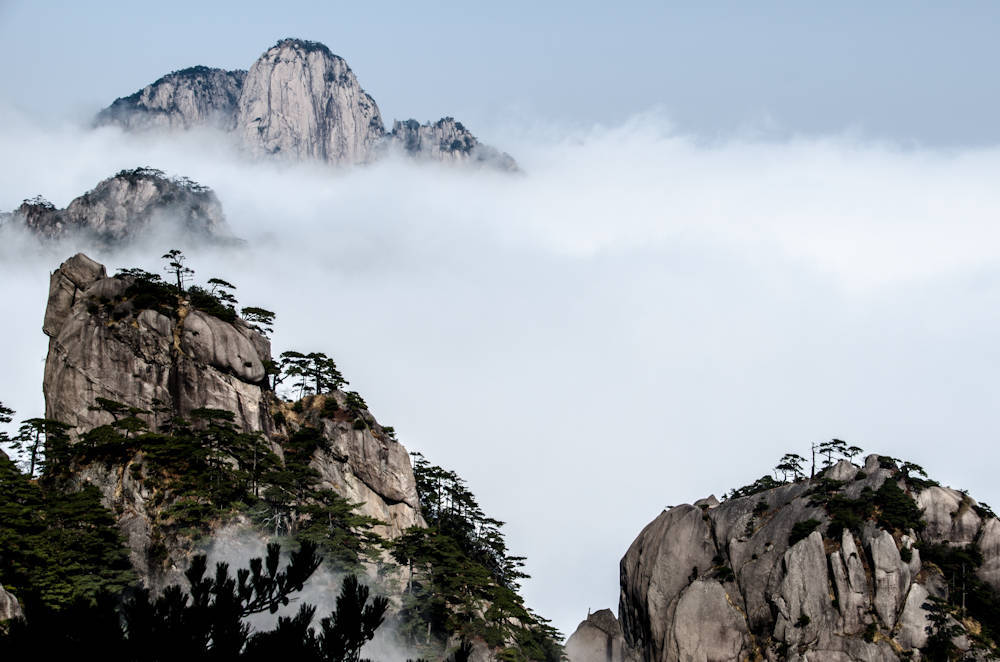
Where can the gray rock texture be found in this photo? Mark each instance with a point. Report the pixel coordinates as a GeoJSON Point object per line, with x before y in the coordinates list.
{"type": "Point", "coordinates": [597, 639]}
{"type": "Point", "coordinates": [722, 582]}
{"type": "Point", "coordinates": [446, 141]}
{"type": "Point", "coordinates": [9, 606]}
{"type": "Point", "coordinates": [132, 203]}
{"type": "Point", "coordinates": [197, 96]}
{"type": "Point", "coordinates": [300, 101]}
{"type": "Point", "coordinates": [100, 346]}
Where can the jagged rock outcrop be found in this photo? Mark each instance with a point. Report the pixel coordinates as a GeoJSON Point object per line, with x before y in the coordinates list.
{"type": "Point", "coordinates": [597, 639]}
{"type": "Point", "coordinates": [102, 343]}
{"type": "Point", "coordinates": [759, 576]}
{"type": "Point", "coordinates": [132, 203]}
{"type": "Point", "coordinates": [298, 101]}
{"type": "Point", "coordinates": [145, 358]}
{"type": "Point", "coordinates": [9, 606]}
{"type": "Point", "coordinates": [197, 96]}
{"type": "Point", "coordinates": [446, 141]}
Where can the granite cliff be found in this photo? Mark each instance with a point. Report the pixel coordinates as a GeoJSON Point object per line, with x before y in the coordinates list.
{"type": "Point", "coordinates": [860, 563]}
{"type": "Point", "coordinates": [298, 101]}
{"type": "Point", "coordinates": [105, 343]}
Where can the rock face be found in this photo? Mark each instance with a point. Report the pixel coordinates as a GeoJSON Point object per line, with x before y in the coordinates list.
{"type": "Point", "coordinates": [722, 582]}
{"type": "Point", "coordinates": [298, 101]}
{"type": "Point", "coordinates": [9, 606]}
{"type": "Point", "coordinates": [446, 141]}
{"type": "Point", "coordinates": [597, 639]}
{"type": "Point", "coordinates": [198, 96]}
{"type": "Point", "coordinates": [102, 345]}
{"type": "Point", "coordinates": [135, 202]}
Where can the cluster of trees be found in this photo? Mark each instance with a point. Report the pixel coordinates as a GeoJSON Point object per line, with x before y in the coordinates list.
{"type": "Point", "coordinates": [62, 555]}
{"type": "Point", "coordinates": [207, 621]}
{"type": "Point", "coordinates": [463, 579]}
{"type": "Point", "coordinates": [149, 290]}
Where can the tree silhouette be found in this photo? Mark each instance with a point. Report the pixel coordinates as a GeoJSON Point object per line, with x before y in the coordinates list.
{"type": "Point", "coordinates": [791, 464]}
{"type": "Point", "coordinates": [175, 266]}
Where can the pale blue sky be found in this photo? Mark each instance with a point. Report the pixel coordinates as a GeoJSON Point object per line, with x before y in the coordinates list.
{"type": "Point", "coordinates": [904, 71]}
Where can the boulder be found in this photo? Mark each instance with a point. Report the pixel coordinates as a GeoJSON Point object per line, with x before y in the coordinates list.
{"type": "Point", "coordinates": [597, 639]}
{"type": "Point", "coordinates": [9, 606]}
{"type": "Point", "coordinates": [949, 515]}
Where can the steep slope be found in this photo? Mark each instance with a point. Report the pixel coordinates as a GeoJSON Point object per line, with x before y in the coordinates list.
{"type": "Point", "coordinates": [197, 96]}
{"type": "Point", "coordinates": [130, 204]}
{"type": "Point", "coordinates": [108, 339]}
{"type": "Point", "coordinates": [300, 101]}
{"type": "Point", "coordinates": [843, 567]}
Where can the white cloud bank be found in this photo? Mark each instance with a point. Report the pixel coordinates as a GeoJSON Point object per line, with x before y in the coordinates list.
{"type": "Point", "coordinates": [638, 320]}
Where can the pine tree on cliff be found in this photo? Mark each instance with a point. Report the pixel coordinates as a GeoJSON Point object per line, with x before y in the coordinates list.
{"type": "Point", "coordinates": [175, 265]}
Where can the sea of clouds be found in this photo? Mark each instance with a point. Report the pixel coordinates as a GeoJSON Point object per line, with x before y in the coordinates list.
{"type": "Point", "coordinates": [637, 319]}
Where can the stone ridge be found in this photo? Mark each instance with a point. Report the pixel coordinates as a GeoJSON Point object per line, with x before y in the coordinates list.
{"type": "Point", "coordinates": [298, 101]}
{"type": "Point", "coordinates": [126, 205]}
{"type": "Point", "coordinates": [723, 582]}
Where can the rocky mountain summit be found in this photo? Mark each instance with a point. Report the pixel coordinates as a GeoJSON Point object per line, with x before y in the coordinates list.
{"type": "Point", "coordinates": [860, 563]}
{"type": "Point", "coordinates": [131, 203]}
{"type": "Point", "coordinates": [107, 342]}
{"type": "Point", "coordinates": [298, 101]}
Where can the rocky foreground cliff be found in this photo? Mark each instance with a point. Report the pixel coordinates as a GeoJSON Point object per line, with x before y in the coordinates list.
{"type": "Point", "coordinates": [861, 563]}
{"type": "Point", "coordinates": [298, 101]}
{"type": "Point", "coordinates": [107, 342]}
{"type": "Point", "coordinates": [164, 424]}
